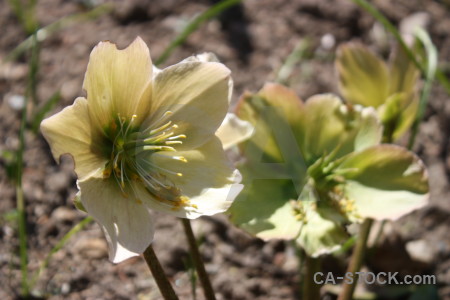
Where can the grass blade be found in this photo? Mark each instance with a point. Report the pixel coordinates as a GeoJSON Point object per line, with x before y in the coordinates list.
{"type": "Point", "coordinates": [300, 51]}
{"type": "Point", "coordinates": [393, 30]}
{"type": "Point", "coordinates": [46, 31]}
{"type": "Point", "coordinates": [430, 74]}
{"type": "Point", "coordinates": [57, 247]}
{"type": "Point", "coordinates": [40, 114]}
{"type": "Point", "coordinates": [193, 25]}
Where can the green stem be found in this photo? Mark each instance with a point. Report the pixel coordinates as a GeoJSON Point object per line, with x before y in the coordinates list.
{"type": "Point", "coordinates": [356, 260]}
{"type": "Point", "coordinates": [198, 262]}
{"type": "Point", "coordinates": [311, 290]}
{"type": "Point", "coordinates": [158, 273]}
{"type": "Point", "coordinates": [19, 189]}
{"type": "Point", "coordinates": [22, 240]}
{"type": "Point", "coordinates": [192, 26]}
{"type": "Point", "coordinates": [57, 247]}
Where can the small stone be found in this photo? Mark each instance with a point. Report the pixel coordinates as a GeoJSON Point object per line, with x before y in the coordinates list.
{"type": "Point", "coordinates": [64, 214]}
{"type": "Point", "coordinates": [65, 288]}
{"type": "Point", "coordinates": [420, 250]}
{"type": "Point", "coordinates": [91, 248]}
{"type": "Point", "coordinates": [57, 181]}
{"type": "Point", "coordinates": [328, 41]}
{"type": "Point", "coordinates": [16, 102]}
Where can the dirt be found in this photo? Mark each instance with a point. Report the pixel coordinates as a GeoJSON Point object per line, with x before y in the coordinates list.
{"type": "Point", "coordinates": [253, 40]}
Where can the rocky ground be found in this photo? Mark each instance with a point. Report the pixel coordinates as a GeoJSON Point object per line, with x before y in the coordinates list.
{"type": "Point", "coordinates": [253, 40]}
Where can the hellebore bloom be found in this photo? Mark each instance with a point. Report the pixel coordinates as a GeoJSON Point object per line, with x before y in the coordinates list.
{"type": "Point", "coordinates": [144, 139]}
{"type": "Point", "coordinates": [392, 88]}
{"type": "Point", "coordinates": [314, 167]}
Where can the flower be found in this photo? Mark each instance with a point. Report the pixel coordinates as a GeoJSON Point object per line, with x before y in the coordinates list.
{"type": "Point", "coordinates": [144, 139]}
{"type": "Point", "coordinates": [366, 79]}
{"type": "Point", "coordinates": [314, 167]}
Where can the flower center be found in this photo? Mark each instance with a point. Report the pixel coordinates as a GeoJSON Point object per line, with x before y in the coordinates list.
{"type": "Point", "coordinates": [130, 158]}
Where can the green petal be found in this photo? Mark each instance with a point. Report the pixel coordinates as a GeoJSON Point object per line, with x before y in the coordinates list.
{"type": "Point", "coordinates": [385, 181]}
{"type": "Point", "coordinates": [275, 112]}
{"type": "Point", "coordinates": [397, 114]}
{"type": "Point", "coordinates": [329, 126]}
{"type": "Point", "coordinates": [406, 118]}
{"type": "Point", "coordinates": [263, 209]}
{"type": "Point", "coordinates": [403, 73]}
{"type": "Point", "coordinates": [363, 77]}
{"type": "Point", "coordinates": [319, 234]}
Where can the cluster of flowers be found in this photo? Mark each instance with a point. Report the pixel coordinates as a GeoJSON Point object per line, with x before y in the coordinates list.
{"type": "Point", "coordinates": [147, 140]}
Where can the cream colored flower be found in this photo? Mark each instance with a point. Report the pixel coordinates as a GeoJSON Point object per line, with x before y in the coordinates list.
{"type": "Point", "coordinates": [144, 139]}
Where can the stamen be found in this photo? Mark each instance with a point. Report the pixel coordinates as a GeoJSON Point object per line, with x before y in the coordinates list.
{"type": "Point", "coordinates": [173, 142]}
{"type": "Point", "coordinates": [180, 158]}
{"type": "Point", "coordinates": [181, 136]}
{"type": "Point", "coordinates": [161, 128]}
{"type": "Point", "coordinates": [161, 148]}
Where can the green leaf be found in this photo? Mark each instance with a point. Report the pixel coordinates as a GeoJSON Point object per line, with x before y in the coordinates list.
{"type": "Point", "coordinates": [363, 76]}
{"type": "Point", "coordinates": [384, 181]}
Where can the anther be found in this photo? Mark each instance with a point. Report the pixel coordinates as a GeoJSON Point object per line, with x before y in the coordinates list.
{"type": "Point", "coordinates": [181, 136]}
{"type": "Point", "coordinates": [180, 158]}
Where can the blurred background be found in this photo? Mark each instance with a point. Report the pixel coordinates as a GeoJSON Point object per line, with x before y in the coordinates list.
{"type": "Point", "coordinates": [254, 38]}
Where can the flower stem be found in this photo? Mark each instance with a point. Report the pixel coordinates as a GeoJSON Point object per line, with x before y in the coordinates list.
{"type": "Point", "coordinates": [356, 260]}
{"type": "Point", "coordinates": [158, 273]}
{"type": "Point", "coordinates": [196, 258]}
{"type": "Point", "coordinates": [311, 290]}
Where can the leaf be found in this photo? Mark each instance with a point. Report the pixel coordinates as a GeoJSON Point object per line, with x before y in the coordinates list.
{"type": "Point", "coordinates": [384, 181]}
{"type": "Point", "coordinates": [363, 77]}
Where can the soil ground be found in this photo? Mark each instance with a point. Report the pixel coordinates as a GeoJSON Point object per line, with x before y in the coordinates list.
{"type": "Point", "coordinates": [253, 40]}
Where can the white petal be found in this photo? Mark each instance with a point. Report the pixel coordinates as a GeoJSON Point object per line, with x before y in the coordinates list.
{"type": "Point", "coordinates": [71, 132]}
{"type": "Point", "coordinates": [118, 82]}
{"type": "Point", "coordinates": [127, 222]}
{"type": "Point", "coordinates": [233, 131]}
{"type": "Point", "coordinates": [208, 180]}
{"type": "Point", "coordinates": [197, 94]}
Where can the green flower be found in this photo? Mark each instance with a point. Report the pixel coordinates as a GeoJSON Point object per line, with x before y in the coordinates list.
{"type": "Point", "coordinates": [313, 167]}
{"type": "Point", "coordinates": [391, 88]}
{"type": "Point", "coordinates": [144, 139]}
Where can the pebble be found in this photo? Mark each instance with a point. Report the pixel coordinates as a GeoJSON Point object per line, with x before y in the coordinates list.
{"type": "Point", "coordinates": [420, 250]}
{"type": "Point", "coordinates": [16, 102]}
{"type": "Point", "coordinates": [91, 248]}
{"type": "Point", "coordinates": [64, 214]}
{"type": "Point", "coordinates": [57, 182]}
